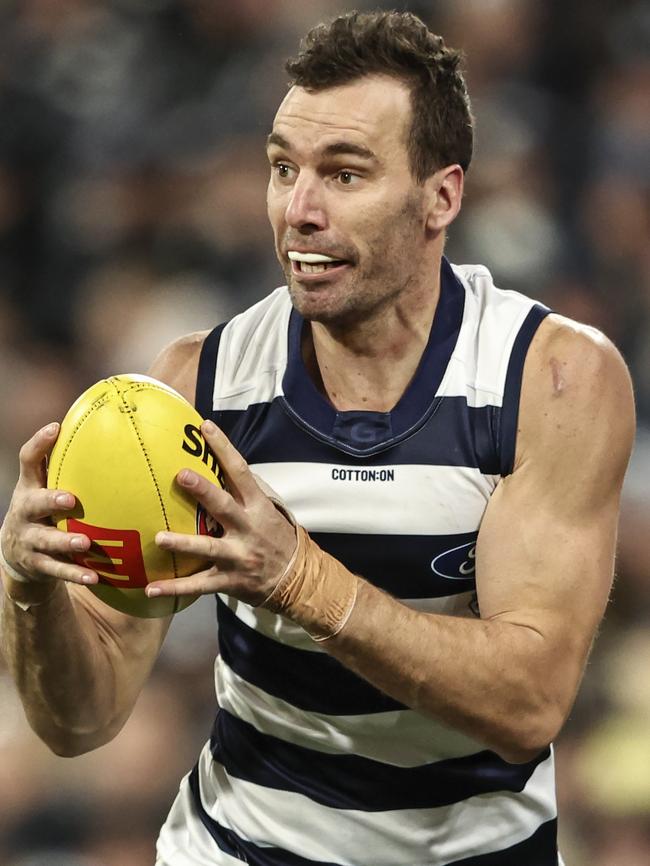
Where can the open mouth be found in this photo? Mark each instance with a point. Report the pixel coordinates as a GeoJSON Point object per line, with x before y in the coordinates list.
{"type": "Point", "coordinates": [313, 263]}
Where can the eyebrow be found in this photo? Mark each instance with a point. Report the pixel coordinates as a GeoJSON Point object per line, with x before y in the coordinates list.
{"type": "Point", "coordinates": [337, 148]}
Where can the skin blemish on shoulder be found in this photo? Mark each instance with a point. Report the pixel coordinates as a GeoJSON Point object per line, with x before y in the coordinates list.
{"type": "Point", "coordinates": [559, 382]}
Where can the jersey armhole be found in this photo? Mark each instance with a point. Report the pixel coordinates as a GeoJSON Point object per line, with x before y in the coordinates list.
{"type": "Point", "coordinates": [512, 391]}
{"type": "Point", "coordinates": [204, 397]}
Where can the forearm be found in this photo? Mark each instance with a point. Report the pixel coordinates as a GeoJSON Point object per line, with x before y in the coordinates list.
{"type": "Point", "coordinates": [492, 679]}
{"type": "Point", "coordinates": [60, 666]}
{"type": "Point", "coordinates": [485, 678]}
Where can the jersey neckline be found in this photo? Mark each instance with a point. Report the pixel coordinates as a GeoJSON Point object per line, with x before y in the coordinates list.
{"type": "Point", "coordinates": [364, 432]}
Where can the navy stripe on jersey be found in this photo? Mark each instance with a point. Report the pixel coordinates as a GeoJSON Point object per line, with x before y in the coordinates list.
{"type": "Point", "coordinates": [455, 434]}
{"type": "Point", "coordinates": [351, 782]}
{"type": "Point", "coordinates": [225, 839]}
{"type": "Point", "coordinates": [264, 662]}
{"type": "Point", "coordinates": [512, 391]}
{"type": "Point", "coordinates": [243, 850]}
{"type": "Point", "coordinates": [402, 565]}
{"type": "Point", "coordinates": [347, 430]}
{"type": "Point", "coordinates": [206, 372]}
{"type": "Point", "coordinates": [540, 849]}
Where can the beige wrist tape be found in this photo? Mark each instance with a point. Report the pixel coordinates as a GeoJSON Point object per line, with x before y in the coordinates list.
{"type": "Point", "coordinates": [316, 590]}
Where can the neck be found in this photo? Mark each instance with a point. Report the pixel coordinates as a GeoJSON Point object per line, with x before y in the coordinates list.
{"type": "Point", "coordinates": [369, 366]}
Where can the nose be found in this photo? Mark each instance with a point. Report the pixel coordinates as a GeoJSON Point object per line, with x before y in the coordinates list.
{"type": "Point", "coordinates": [306, 206]}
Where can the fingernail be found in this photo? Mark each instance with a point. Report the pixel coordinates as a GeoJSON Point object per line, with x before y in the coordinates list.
{"type": "Point", "coordinates": [187, 478]}
{"type": "Point", "coordinates": [162, 538]}
{"type": "Point", "coordinates": [88, 578]}
{"type": "Point", "coordinates": [153, 591]}
{"type": "Point", "coordinates": [63, 499]}
{"type": "Point", "coordinates": [209, 427]}
{"type": "Point", "coordinates": [51, 429]}
{"type": "Point", "coordinates": [78, 543]}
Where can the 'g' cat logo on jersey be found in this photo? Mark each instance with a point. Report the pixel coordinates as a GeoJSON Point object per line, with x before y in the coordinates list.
{"type": "Point", "coordinates": [459, 563]}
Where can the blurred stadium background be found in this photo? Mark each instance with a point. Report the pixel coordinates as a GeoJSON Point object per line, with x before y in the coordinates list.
{"type": "Point", "coordinates": [132, 184]}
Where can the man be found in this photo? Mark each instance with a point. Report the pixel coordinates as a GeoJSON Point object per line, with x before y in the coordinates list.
{"type": "Point", "coordinates": [390, 683]}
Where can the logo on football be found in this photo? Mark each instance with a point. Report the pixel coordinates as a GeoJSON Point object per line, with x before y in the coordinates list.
{"type": "Point", "coordinates": [206, 524]}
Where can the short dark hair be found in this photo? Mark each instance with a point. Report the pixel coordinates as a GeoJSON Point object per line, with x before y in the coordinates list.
{"type": "Point", "coordinates": [400, 45]}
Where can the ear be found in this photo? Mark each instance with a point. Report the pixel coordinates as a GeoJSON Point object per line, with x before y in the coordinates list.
{"type": "Point", "coordinates": [444, 192]}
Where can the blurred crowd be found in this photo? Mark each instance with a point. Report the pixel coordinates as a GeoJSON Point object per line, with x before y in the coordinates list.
{"type": "Point", "coordinates": [132, 210]}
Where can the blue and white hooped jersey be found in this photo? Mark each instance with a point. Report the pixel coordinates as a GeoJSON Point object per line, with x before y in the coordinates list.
{"type": "Point", "coordinates": [309, 765]}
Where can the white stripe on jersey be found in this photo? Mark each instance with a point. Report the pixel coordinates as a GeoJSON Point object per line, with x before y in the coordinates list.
{"type": "Point", "coordinates": [260, 362]}
{"type": "Point", "coordinates": [433, 500]}
{"type": "Point", "coordinates": [479, 363]}
{"type": "Point", "coordinates": [421, 740]}
{"type": "Point", "coordinates": [184, 841]}
{"type": "Point", "coordinates": [490, 822]}
{"type": "Point", "coordinates": [457, 382]}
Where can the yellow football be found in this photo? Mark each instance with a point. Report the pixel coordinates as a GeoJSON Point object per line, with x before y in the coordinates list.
{"type": "Point", "coordinates": [119, 449]}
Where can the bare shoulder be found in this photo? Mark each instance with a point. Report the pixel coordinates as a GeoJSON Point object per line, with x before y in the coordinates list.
{"type": "Point", "coordinates": [577, 402]}
{"type": "Point", "coordinates": [570, 355]}
{"type": "Point", "coordinates": [177, 364]}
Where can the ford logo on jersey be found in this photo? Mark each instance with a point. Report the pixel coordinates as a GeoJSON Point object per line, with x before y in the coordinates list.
{"type": "Point", "coordinates": [456, 564]}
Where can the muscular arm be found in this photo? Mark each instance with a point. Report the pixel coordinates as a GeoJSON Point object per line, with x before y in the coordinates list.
{"type": "Point", "coordinates": [544, 561]}
{"type": "Point", "coordinates": [78, 664]}
{"type": "Point", "coordinates": [78, 667]}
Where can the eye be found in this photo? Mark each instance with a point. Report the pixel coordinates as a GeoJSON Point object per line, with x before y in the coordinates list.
{"type": "Point", "coordinates": [282, 170]}
{"type": "Point", "coordinates": [346, 177]}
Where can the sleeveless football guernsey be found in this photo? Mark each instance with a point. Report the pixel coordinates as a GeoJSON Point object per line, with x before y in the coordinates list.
{"type": "Point", "coordinates": [307, 764]}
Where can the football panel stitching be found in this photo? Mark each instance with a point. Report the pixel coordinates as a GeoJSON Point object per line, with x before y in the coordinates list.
{"type": "Point", "coordinates": [142, 386]}
{"type": "Point", "coordinates": [92, 408]}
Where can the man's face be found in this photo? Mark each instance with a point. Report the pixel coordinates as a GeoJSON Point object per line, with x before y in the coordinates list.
{"type": "Point", "coordinates": [348, 217]}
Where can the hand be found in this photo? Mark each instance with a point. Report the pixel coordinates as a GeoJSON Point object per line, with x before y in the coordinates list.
{"type": "Point", "coordinates": [257, 542]}
{"type": "Point", "coordinates": [31, 545]}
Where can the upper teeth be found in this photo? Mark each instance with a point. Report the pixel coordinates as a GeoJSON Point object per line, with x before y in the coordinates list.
{"type": "Point", "coordinates": [309, 258]}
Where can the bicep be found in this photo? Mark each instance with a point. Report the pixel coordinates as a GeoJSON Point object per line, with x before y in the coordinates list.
{"type": "Point", "coordinates": [545, 553]}
{"type": "Point", "coordinates": [539, 569]}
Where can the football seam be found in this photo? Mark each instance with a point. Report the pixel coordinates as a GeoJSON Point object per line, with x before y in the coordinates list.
{"type": "Point", "coordinates": [129, 413]}
{"type": "Point", "coordinates": [100, 400]}
{"type": "Point", "coordinates": [151, 386]}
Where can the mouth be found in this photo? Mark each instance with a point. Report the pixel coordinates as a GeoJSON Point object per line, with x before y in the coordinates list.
{"type": "Point", "coordinates": [315, 264]}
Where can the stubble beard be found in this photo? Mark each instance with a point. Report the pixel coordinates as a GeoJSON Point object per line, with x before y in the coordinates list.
{"type": "Point", "coordinates": [366, 289]}
{"type": "Point", "coordinates": [352, 300]}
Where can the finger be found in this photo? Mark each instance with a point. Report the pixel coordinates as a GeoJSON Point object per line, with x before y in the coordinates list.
{"type": "Point", "coordinates": [33, 454]}
{"type": "Point", "coordinates": [41, 503]}
{"type": "Point", "coordinates": [54, 542]}
{"type": "Point", "coordinates": [202, 583]}
{"type": "Point", "coordinates": [196, 545]}
{"type": "Point", "coordinates": [220, 552]}
{"type": "Point", "coordinates": [47, 566]}
{"type": "Point", "coordinates": [217, 502]}
{"type": "Point", "coordinates": [238, 476]}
